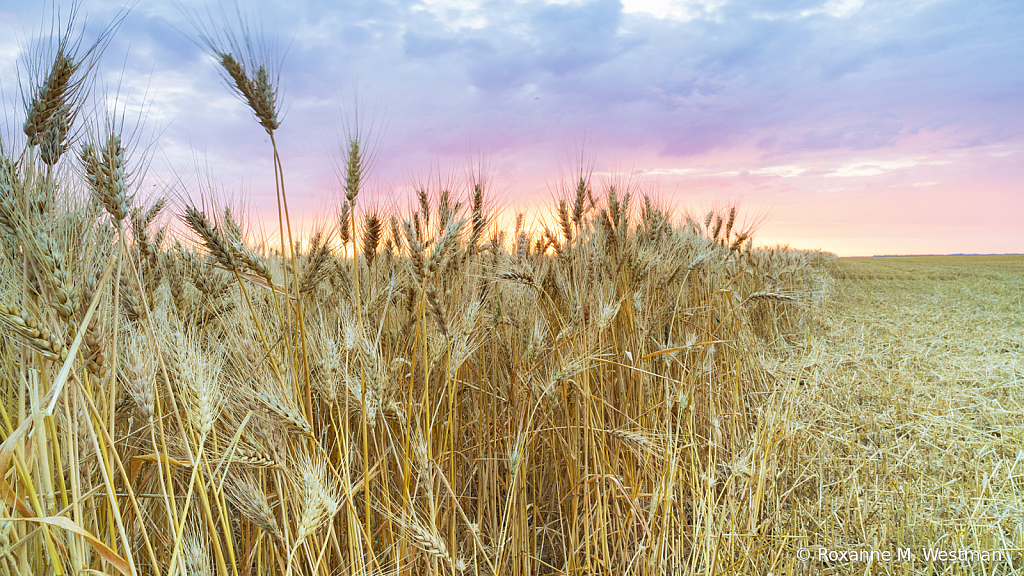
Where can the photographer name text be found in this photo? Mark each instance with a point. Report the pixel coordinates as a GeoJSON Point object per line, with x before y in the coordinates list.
{"type": "Point", "coordinates": [831, 556]}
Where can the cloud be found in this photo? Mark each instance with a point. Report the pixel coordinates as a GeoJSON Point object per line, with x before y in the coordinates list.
{"type": "Point", "coordinates": [835, 8]}
{"type": "Point", "coordinates": [670, 171]}
{"type": "Point", "coordinates": [765, 83]}
{"type": "Point", "coordinates": [681, 10]}
{"type": "Point", "coordinates": [686, 77]}
{"type": "Point", "coordinates": [783, 171]}
{"type": "Point", "coordinates": [456, 15]}
{"type": "Point", "coordinates": [876, 167]}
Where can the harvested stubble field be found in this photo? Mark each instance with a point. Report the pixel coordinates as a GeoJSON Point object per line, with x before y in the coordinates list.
{"type": "Point", "coordinates": [909, 418]}
{"type": "Point", "coordinates": [626, 391]}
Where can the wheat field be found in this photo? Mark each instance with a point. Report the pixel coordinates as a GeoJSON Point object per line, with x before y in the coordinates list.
{"type": "Point", "coordinates": [910, 404]}
{"type": "Point", "coordinates": [623, 391]}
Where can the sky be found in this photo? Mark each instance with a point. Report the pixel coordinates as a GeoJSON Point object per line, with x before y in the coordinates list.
{"type": "Point", "coordinates": [858, 127]}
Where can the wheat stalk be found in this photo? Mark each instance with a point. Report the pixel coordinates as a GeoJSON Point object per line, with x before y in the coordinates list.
{"type": "Point", "coordinates": [582, 191]}
{"type": "Point", "coordinates": [293, 418]}
{"type": "Point", "coordinates": [37, 335]}
{"type": "Point", "coordinates": [106, 173]}
{"type": "Point", "coordinates": [200, 375]}
{"type": "Point", "coordinates": [254, 457]}
{"type": "Point", "coordinates": [520, 276]}
{"type": "Point", "coordinates": [445, 245]}
{"type": "Point", "coordinates": [415, 251]}
{"type": "Point", "coordinates": [51, 101]}
{"type": "Point", "coordinates": [52, 140]}
{"type": "Point", "coordinates": [195, 553]}
{"type": "Point", "coordinates": [429, 542]}
{"type": "Point", "coordinates": [259, 92]}
{"type": "Point", "coordinates": [479, 220]}
{"type": "Point", "coordinates": [729, 224]}
{"type": "Point", "coordinates": [10, 215]}
{"type": "Point", "coordinates": [320, 498]}
{"type": "Point", "coordinates": [717, 229]}
{"type": "Point", "coordinates": [212, 238]}
{"type": "Point", "coordinates": [245, 494]}
{"type": "Point", "coordinates": [437, 312]}
{"type": "Point", "coordinates": [57, 275]}
{"type": "Point", "coordinates": [315, 269]}
{"type": "Point", "coordinates": [770, 296]}
{"type": "Point", "coordinates": [424, 201]}
{"type": "Point", "coordinates": [371, 237]}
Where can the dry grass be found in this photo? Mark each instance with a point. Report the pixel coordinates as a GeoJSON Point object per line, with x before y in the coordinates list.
{"type": "Point", "coordinates": [634, 393]}
{"type": "Point", "coordinates": [907, 429]}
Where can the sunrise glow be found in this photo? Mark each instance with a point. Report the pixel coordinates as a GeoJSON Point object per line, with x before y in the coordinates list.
{"type": "Point", "coordinates": [856, 127]}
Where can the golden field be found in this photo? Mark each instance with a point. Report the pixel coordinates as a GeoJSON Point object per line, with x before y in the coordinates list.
{"type": "Point", "coordinates": [623, 391]}
{"type": "Point", "coordinates": [909, 413]}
